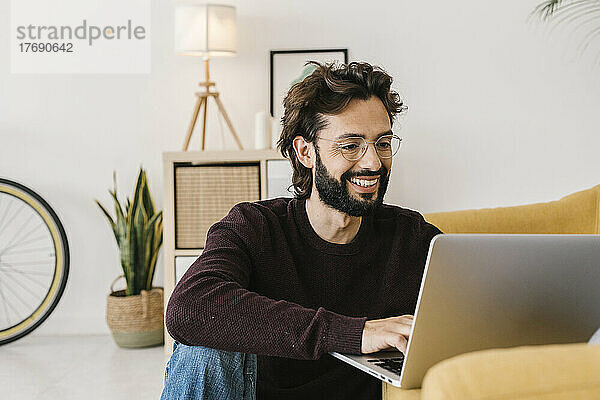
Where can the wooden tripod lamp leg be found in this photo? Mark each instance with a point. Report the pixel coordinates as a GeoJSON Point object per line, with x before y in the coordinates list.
{"type": "Point", "coordinates": [204, 122]}
{"type": "Point", "coordinates": [188, 137]}
{"type": "Point", "coordinates": [229, 124]}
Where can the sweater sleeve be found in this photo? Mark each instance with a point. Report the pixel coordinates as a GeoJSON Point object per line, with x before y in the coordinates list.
{"type": "Point", "coordinates": [212, 307]}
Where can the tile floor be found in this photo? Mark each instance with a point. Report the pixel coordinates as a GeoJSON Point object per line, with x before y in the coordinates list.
{"type": "Point", "coordinates": [79, 367]}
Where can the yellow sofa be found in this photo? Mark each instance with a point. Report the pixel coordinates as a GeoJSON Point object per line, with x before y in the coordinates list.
{"type": "Point", "coordinates": [549, 372]}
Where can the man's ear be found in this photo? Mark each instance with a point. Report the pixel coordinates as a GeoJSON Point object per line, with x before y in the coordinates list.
{"type": "Point", "coordinates": [304, 151]}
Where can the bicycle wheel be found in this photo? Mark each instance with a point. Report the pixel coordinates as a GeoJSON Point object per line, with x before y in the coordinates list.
{"type": "Point", "coordinates": [34, 260]}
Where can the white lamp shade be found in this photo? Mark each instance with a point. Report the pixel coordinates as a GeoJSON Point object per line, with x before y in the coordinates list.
{"type": "Point", "coordinates": [205, 30]}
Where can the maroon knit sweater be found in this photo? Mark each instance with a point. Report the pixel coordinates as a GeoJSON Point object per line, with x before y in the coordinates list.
{"type": "Point", "coordinates": [267, 284]}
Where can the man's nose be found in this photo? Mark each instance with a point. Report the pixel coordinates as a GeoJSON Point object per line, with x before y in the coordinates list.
{"type": "Point", "coordinates": [370, 160]}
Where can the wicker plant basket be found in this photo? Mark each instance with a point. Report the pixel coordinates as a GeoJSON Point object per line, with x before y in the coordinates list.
{"type": "Point", "coordinates": [136, 321]}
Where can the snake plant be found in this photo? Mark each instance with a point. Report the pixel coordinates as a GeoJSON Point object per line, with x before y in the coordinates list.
{"type": "Point", "coordinates": [138, 232]}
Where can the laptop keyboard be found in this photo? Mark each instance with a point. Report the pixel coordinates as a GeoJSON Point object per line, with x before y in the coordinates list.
{"type": "Point", "coordinates": [391, 364]}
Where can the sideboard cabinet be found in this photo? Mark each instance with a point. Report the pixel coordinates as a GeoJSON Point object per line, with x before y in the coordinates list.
{"type": "Point", "coordinates": [200, 187]}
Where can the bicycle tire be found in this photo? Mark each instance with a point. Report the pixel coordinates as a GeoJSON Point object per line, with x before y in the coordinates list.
{"type": "Point", "coordinates": [61, 266]}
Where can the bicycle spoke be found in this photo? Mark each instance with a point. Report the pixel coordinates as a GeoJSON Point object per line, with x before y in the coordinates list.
{"type": "Point", "coordinates": [4, 216]}
{"type": "Point", "coordinates": [22, 243]}
{"type": "Point", "coordinates": [44, 286]}
{"type": "Point", "coordinates": [20, 240]}
{"type": "Point", "coordinates": [26, 272]}
{"type": "Point", "coordinates": [40, 249]}
{"type": "Point", "coordinates": [16, 294]}
{"type": "Point", "coordinates": [25, 275]}
{"type": "Point", "coordinates": [25, 263]}
{"type": "Point", "coordinates": [28, 268]}
{"type": "Point", "coordinates": [10, 244]}
{"type": "Point", "coordinates": [5, 302]}
{"type": "Point", "coordinates": [13, 217]}
{"type": "Point", "coordinates": [25, 288]}
{"type": "Point", "coordinates": [5, 306]}
{"type": "Point", "coordinates": [16, 235]}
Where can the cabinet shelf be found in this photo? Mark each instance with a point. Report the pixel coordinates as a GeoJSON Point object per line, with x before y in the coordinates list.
{"type": "Point", "coordinates": [187, 252]}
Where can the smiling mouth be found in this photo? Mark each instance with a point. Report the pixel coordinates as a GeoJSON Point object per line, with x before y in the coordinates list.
{"type": "Point", "coordinates": [366, 183]}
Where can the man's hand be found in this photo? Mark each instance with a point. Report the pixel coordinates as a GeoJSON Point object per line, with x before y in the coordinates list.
{"type": "Point", "coordinates": [381, 334]}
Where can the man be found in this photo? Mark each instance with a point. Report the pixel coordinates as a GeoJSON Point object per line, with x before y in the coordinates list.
{"type": "Point", "coordinates": [291, 280]}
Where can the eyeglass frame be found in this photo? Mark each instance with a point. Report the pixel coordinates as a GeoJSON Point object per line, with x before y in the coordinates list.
{"type": "Point", "coordinates": [339, 143]}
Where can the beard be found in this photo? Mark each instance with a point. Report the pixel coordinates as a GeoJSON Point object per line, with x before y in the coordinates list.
{"type": "Point", "coordinates": [335, 193]}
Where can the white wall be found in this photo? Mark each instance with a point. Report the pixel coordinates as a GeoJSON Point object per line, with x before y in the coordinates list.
{"type": "Point", "coordinates": [502, 112]}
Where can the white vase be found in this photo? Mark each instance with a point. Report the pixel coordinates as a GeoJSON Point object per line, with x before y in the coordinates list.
{"type": "Point", "coordinates": [262, 130]}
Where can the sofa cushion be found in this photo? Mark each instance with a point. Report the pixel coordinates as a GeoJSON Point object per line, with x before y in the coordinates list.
{"type": "Point", "coordinates": [557, 372]}
{"type": "Point", "coordinates": [394, 393]}
{"type": "Point", "coordinates": [577, 213]}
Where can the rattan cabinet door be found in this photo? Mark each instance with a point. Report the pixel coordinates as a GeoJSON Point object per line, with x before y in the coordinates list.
{"type": "Point", "coordinates": [204, 194]}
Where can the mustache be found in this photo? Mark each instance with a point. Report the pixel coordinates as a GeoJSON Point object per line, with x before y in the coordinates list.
{"type": "Point", "coordinates": [349, 174]}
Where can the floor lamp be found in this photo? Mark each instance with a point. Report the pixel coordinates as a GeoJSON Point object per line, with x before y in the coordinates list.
{"type": "Point", "coordinates": [206, 30]}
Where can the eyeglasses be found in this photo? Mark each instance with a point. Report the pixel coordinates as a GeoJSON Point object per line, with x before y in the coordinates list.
{"type": "Point", "coordinates": [353, 148]}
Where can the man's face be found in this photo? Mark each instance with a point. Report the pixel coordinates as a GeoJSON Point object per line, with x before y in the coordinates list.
{"type": "Point", "coordinates": [335, 178]}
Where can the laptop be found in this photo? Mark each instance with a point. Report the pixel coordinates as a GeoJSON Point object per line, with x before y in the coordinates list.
{"type": "Point", "coordinates": [483, 291]}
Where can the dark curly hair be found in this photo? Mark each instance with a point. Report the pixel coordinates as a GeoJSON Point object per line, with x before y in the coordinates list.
{"type": "Point", "coordinates": [328, 91]}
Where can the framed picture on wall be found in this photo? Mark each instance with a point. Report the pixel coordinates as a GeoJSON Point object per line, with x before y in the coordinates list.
{"type": "Point", "coordinates": [286, 68]}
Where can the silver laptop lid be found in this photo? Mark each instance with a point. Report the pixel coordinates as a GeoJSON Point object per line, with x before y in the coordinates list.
{"type": "Point", "coordinates": [493, 291]}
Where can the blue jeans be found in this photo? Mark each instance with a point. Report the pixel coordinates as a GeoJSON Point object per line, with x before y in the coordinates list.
{"type": "Point", "coordinates": [202, 373]}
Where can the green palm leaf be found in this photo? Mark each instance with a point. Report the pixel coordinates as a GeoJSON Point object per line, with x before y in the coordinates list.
{"type": "Point", "coordinates": [581, 13]}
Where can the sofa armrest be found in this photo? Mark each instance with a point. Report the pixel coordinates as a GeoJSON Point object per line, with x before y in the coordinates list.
{"type": "Point", "coordinates": [562, 371]}
{"type": "Point", "coordinates": [576, 213]}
